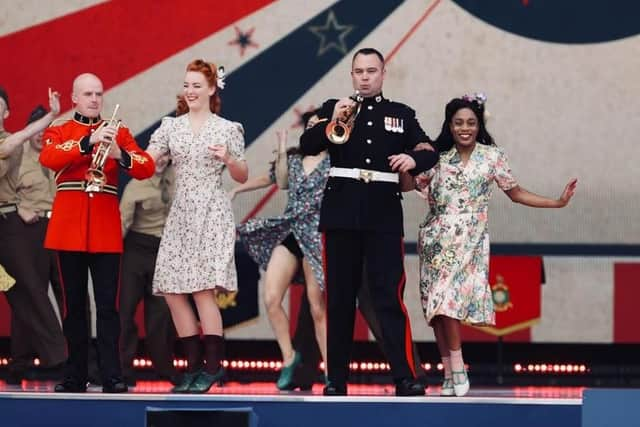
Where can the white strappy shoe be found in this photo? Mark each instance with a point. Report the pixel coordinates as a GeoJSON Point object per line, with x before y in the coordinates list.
{"type": "Point", "coordinates": [460, 388]}
{"type": "Point", "coordinates": [447, 387]}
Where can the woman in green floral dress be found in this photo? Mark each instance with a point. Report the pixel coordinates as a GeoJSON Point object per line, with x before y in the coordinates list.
{"type": "Point", "coordinates": [454, 238]}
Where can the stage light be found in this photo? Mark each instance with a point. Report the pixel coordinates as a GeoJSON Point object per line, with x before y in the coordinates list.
{"type": "Point", "coordinates": [550, 369]}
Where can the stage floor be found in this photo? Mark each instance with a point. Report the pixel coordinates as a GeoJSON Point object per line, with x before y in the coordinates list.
{"type": "Point", "coordinates": [262, 390]}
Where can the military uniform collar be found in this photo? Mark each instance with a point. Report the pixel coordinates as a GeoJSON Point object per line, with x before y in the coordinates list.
{"type": "Point", "coordinates": [77, 117]}
{"type": "Point", "coordinates": [374, 99]}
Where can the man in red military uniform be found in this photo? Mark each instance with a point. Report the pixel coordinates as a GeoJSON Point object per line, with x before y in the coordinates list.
{"type": "Point", "coordinates": [85, 228]}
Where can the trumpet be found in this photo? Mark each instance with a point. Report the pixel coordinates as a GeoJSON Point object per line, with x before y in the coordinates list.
{"type": "Point", "coordinates": [95, 176]}
{"type": "Point", "coordinates": [338, 131]}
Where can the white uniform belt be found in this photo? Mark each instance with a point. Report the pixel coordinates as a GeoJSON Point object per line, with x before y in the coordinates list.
{"type": "Point", "coordinates": [82, 185]}
{"type": "Point", "coordinates": [8, 208]}
{"type": "Point", "coordinates": [365, 175]}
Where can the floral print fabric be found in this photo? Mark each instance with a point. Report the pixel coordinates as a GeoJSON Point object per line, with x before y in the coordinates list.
{"type": "Point", "coordinates": [301, 217]}
{"type": "Point", "coordinates": [197, 247]}
{"type": "Point", "coordinates": [453, 241]}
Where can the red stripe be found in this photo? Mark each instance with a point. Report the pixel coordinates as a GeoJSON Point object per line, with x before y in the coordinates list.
{"type": "Point", "coordinates": [412, 30]}
{"type": "Point", "coordinates": [63, 309]}
{"type": "Point", "coordinates": [408, 340]}
{"type": "Point", "coordinates": [395, 50]}
{"type": "Point", "coordinates": [119, 283]}
{"type": "Point", "coordinates": [626, 294]}
{"type": "Point", "coordinates": [115, 40]}
{"type": "Point", "coordinates": [323, 236]}
{"type": "Point", "coordinates": [261, 203]}
{"type": "Point", "coordinates": [360, 328]}
{"type": "Point", "coordinates": [5, 317]}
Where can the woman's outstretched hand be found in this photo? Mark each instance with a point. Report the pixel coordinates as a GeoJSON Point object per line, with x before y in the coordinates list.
{"type": "Point", "coordinates": [569, 191]}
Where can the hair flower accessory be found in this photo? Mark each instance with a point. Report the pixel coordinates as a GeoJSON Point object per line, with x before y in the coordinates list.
{"type": "Point", "coordinates": [221, 76]}
{"type": "Point", "coordinates": [478, 97]}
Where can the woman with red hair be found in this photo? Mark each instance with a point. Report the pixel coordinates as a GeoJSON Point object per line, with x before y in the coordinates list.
{"type": "Point", "coordinates": [196, 255]}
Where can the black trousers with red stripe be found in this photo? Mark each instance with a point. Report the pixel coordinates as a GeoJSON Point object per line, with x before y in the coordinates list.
{"type": "Point", "coordinates": [381, 254]}
{"type": "Point", "coordinates": [105, 274]}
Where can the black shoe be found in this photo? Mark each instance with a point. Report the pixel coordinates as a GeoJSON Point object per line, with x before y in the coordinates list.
{"type": "Point", "coordinates": [71, 385]}
{"type": "Point", "coordinates": [409, 387]}
{"type": "Point", "coordinates": [423, 381]}
{"type": "Point", "coordinates": [335, 390]}
{"type": "Point", "coordinates": [130, 381]}
{"type": "Point", "coordinates": [114, 385]}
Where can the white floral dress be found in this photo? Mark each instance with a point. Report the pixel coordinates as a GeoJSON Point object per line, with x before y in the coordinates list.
{"type": "Point", "coordinates": [453, 241]}
{"type": "Point", "coordinates": [197, 247]}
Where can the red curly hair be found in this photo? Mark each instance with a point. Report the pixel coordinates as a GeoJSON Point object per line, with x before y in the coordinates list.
{"type": "Point", "coordinates": [210, 72]}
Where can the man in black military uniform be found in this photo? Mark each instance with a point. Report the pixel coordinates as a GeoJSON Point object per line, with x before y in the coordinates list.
{"type": "Point", "coordinates": [361, 218]}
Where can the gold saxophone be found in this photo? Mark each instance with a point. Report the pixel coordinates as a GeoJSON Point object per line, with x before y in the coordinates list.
{"type": "Point", "coordinates": [95, 176]}
{"type": "Point", "coordinates": [338, 131]}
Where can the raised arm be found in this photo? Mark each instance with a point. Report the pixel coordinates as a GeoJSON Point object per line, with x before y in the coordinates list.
{"type": "Point", "coordinates": [255, 183]}
{"type": "Point", "coordinates": [519, 195]}
{"type": "Point", "coordinates": [18, 138]}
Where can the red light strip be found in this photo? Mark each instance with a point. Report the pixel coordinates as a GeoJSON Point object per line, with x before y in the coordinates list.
{"type": "Point", "coordinates": [551, 368]}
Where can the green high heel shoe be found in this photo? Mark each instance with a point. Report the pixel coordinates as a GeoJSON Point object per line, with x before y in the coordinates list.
{"type": "Point", "coordinates": [203, 382]}
{"type": "Point", "coordinates": [185, 383]}
{"type": "Point", "coordinates": [286, 373]}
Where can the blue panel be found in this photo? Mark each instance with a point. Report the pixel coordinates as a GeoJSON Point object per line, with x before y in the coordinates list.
{"type": "Point", "coordinates": [608, 407]}
{"type": "Point", "coordinates": [125, 413]}
{"type": "Point", "coordinates": [560, 21]}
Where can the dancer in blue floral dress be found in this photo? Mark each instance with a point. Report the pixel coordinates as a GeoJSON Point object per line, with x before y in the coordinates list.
{"type": "Point", "coordinates": [454, 238]}
{"type": "Point", "coordinates": [289, 249]}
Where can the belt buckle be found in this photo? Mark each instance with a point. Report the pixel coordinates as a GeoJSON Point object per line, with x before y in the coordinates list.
{"type": "Point", "coordinates": [366, 176]}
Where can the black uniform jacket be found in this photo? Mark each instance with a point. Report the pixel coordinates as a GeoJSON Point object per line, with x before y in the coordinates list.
{"type": "Point", "coordinates": [381, 128]}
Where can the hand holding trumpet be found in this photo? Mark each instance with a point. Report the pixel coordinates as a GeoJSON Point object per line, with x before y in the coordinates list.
{"type": "Point", "coordinates": [343, 109]}
{"type": "Point", "coordinates": [104, 133]}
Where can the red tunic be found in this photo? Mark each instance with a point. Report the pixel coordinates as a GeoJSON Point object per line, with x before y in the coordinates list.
{"type": "Point", "coordinates": [80, 221]}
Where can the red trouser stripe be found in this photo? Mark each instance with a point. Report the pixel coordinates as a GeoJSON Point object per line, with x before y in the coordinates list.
{"type": "Point", "coordinates": [63, 309]}
{"type": "Point", "coordinates": [408, 340]}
